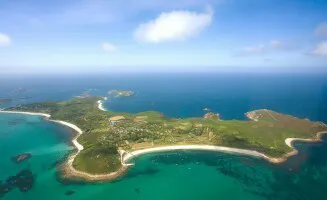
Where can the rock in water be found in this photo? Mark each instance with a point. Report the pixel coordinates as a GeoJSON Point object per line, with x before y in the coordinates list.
{"type": "Point", "coordinates": [24, 180]}
{"type": "Point", "coordinates": [211, 115]}
{"type": "Point", "coordinates": [21, 157]}
{"type": "Point", "coordinates": [137, 190]}
{"type": "Point", "coordinates": [69, 192]}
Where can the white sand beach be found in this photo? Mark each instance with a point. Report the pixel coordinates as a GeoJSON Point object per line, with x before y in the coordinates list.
{"type": "Point", "coordinates": [78, 130]}
{"type": "Point", "coordinates": [136, 153]}
{"type": "Point", "coordinates": [100, 105]}
{"type": "Point", "coordinates": [26, 113]}
{"type": "Point", "coordinates": [70, 125]}
{"type": "Point", "coordinates": [79, 147]}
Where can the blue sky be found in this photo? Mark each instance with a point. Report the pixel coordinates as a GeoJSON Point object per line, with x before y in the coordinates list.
{"type": "Point", "coordinates": [162, 35]}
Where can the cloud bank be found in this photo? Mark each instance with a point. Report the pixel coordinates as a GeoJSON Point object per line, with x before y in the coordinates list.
{"type": "Point", "coordinates": [321, 49]}
{"type": "Point", "coordinates": [174, 26]}
{"type": "Point", "coordinates": [107, 47]}
{"type": "Point", "coordinates": [272, 46]}
{"type": "Point", "coordinates": [4, 40]}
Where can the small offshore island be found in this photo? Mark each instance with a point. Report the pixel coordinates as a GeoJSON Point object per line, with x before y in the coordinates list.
{"type": "Point", "coordinates": [121, 93]}
{"type": "Point", "coordinates": [105, 141]}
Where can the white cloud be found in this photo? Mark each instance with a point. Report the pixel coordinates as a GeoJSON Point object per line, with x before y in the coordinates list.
{"type": "Point", "coordinates": [255, 49]}
{"type": "Point", "coordinates": [275, 43]}
{"type": "Point", "coordinates": [321, 49]}
{"type": "Point", "coordinates": [108, 47]}
{"type": "Point", "coordinates": [321, 30]}
{"type": "Point", "coordinates": [4, 40]}
{"type": "Point", "coordinates": [272, 46]}
{"type": "Point", "coordinates": [174, 26]}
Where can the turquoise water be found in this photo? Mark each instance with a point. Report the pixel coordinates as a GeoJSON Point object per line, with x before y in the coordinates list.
{"type": "Point", "coordinates": [151, 178]}
{"type": "Point", "coordinates": [175, 175]}
{"type": "Point", "coordinates": [171, 175]}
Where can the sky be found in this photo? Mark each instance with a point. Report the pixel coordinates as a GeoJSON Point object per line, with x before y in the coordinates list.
{"type": "Point", "coordinates": [162, 35]}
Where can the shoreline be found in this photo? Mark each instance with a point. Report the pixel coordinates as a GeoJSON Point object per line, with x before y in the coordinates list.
{"type": "Point", "coordinates": [68, 171]}
{"type": "Point", "coordinates": [136, 153]}
{"type": "Point", "coordinates": [100, 104]}
{"type": "Point", "coordinates": [288, 141]}
{"type": "Point", "coordinates": [67, 168]}
{"type": "Point", "coordinates": [26, 113]}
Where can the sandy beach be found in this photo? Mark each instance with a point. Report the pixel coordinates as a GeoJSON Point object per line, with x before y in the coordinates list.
{"type": "Point", "coordinates": [73, 126]}
{"type": "Point", "coordinates": [26, 113]}
{"type": "Point", "coordinates": [289, 142]}
{"type": "Point", "coordinates": [78, 130]}
{"type": "Point", "coordinates": [136, 153]}
{"type": "Point", "coordinates": [100, 105]}
{"type": "Point", "coordinates": [78, 146]}
{"type": "Point", "coordinates": [68, 169]}
{"type": "Point", "coordinates": [129, 155]}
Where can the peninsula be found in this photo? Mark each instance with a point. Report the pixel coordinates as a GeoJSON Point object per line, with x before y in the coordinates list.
{"type": "Point", "coordinates": [106, 138]}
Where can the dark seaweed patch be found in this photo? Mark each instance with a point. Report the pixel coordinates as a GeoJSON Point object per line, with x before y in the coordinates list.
{"type": "Point", "coordinates": [24, 180]}
{"type": "Point", "coordinates": [69, 192]}
{"type": "Point", "coordinates": [149, 171]}
{"type": "Point", "coordinates": [137, 190]}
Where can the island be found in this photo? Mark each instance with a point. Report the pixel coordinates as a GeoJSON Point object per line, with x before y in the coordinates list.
{"type": "Point", "coordinates": [121, 93]}
{"type": "Point", "coordinates": [106, 141]}
{"type": "Point", "coordinates": [5, 100]}
{"type": "Point", "coordinates": [9, 100]}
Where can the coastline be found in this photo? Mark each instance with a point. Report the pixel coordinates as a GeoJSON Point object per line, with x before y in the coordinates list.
{"type": "Point", "coordinates": [289, 142]}
{"type": "Point", "coordinates": [26, 113]}
{"type": "Point", "coordinates": [68, 171]}
{"type": "Point", "coordinates": [130, 155]}
{"type": "Point", "coordinates": [100, 104]}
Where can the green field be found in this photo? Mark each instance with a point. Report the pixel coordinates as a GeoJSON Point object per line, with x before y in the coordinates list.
{"type": "Point", "coordinates": [106, 132]}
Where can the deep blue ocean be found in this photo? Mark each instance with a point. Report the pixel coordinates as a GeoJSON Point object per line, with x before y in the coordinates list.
{"type": "Point", "coordinates": [178, 175]}
{"type": "Point", "coordinates": [184, 95]}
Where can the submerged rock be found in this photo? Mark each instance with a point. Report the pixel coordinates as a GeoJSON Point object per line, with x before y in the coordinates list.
{"type": "Point", "coordinates": [24, 180]}
{"type": "Point", "coordinates": [137, 190]}
{"type": "Point", "coordinates": [69, 192]}
{"type": "Point", "coordinates": [21, 157]}
{"type": "Point", "coordinates": [4, 188]}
